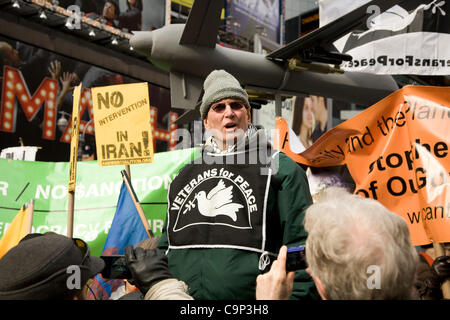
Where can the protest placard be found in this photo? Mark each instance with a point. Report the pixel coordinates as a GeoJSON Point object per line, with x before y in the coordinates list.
{"type": "Point", "coordinates": [96, 194]}
{"type": "Point", "coordinates": [122, 124]}
{"type": "Point", "coordinates": [397, 153]}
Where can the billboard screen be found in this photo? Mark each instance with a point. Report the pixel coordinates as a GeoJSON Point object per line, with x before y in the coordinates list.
{"type": "Point", "coordinates": [246, 18]}
{"type": "Point", "coordinates": [36, 101]}
{"type": "Point", "coordinates": [138, 15]}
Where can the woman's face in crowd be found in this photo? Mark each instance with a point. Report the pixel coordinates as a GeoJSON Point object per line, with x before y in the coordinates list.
{"type": "Point", "coordinates": [109, 11]}
{"type": "Point", "coordinates": [308, 117]}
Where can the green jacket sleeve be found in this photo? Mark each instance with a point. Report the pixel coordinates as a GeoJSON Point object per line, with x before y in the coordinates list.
{"type": "Point", "coordinates": [163, 242]}
{"type": "Point", "coordinates": [293, 198]}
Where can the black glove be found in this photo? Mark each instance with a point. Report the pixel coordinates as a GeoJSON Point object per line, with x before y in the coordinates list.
{"type": "Point", "coordinates": [147, 267]}
{"type": "Point", "coordinates": [441, 266]}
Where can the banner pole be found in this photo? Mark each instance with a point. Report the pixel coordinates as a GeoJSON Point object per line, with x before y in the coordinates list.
{"type": "Point", "coordinates": [136, 203]}
{"type": "Point", "coordinates": [30, 216]}
{"type": "Point", "coordinates": [73, 159]}
{"type": "Point", "coordinates": [70, 215]}
{"type": "Point", "coordinates": [440, 251]}
{"type": "Point", "coordinates": [127, 169]}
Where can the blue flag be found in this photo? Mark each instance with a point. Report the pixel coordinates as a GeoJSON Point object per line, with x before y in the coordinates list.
{"type": "Point", "coordinates": [126, 228]}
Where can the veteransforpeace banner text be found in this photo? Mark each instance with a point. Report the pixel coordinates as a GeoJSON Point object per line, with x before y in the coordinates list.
{"type": "Point", "coordinates": [412, 37]}
{"type": "Point", "coordinates": [96, 193]}
{"type": "Point", "coordinates": [397, 152]}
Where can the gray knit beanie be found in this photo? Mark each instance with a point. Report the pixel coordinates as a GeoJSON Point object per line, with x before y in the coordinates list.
{"type": "Point", "coordinates": [221, 85]}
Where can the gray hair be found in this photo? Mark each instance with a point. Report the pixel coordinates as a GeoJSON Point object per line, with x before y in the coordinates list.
{"type": "Point", "coordinates": [347, 234]}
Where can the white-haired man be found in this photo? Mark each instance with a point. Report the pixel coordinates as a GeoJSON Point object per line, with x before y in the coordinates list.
{"type": "Point", "coordinates": [356, 249]}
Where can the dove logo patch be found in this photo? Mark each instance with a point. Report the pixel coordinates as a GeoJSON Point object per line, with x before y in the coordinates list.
{"type": "Point", "coordinates": [217, 206]}
{"type": "Point", "coordinates": [216, 200]}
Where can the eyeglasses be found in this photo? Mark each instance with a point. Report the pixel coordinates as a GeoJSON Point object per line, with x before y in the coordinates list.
{"type": "Point", "coordinates": [84, 248]}
{"type": "Point", "coordinates": [220, 107]}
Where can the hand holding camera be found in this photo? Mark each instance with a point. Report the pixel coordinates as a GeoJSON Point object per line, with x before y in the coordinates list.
{"type": "Point", "coordinates": [142, 268]}
{"type": "Point", "coordinates": [277, 284]}
{"type": "Point", "coordinates": [295, 258]}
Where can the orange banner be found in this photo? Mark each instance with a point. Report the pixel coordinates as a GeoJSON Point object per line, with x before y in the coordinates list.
{"type": "Point", "coordinates": [397, 153]}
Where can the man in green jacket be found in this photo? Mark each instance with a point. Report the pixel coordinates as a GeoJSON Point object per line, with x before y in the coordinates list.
{"type": "Point", "coordinates": [231, 210]}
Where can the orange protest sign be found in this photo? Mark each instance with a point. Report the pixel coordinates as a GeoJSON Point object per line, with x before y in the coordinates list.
{"type": "Point", "coordinates": [397, 153]}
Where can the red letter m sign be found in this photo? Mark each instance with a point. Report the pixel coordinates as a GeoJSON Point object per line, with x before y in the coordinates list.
{"type": "Point", "coordinates": [14, 87]}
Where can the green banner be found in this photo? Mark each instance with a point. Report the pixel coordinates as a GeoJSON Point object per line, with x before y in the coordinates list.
{"type": "Point", "coordinates": [96, 194]}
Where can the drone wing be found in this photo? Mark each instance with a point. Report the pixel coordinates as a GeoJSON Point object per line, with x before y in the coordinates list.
{"type": "Point", "coordinates": [317, 46]}
{"type": "Point", "coordinates": [203, 24]}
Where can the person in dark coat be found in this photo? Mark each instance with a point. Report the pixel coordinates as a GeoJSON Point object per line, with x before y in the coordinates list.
{"type": "Point", "coordinates": [227, 219]}
{"type": "Point", "coordinates": [131, 19]}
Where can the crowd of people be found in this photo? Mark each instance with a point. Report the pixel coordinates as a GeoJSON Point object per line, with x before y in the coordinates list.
{"type": "Point", "coordinates": [109, 13]}
{"type": "Point", "coordinates": [130, 19]}
{"type": "Point", "coordinates": [229, 238]}
{"type": "Point", "coordinates": [34, 65]}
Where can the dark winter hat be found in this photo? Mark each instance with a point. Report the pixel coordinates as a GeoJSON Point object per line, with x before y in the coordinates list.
{"type": "Point", "coordinates": [221, 85]}
{"type": "Point", "coordinates": [37, 268]}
